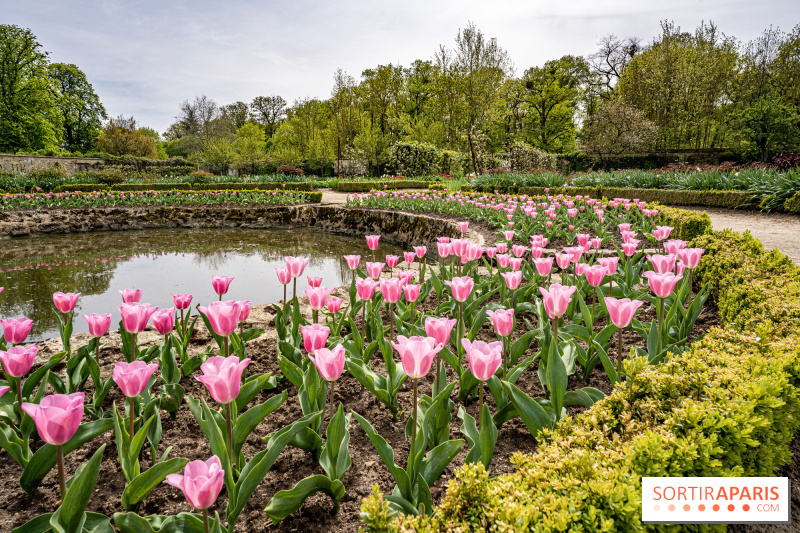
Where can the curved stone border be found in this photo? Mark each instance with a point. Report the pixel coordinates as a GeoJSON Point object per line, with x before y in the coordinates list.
{"type": "Point", "coordinates": [396, 227]}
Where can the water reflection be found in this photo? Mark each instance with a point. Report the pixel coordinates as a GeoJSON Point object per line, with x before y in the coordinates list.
{"type": "Point", "coordinates": [160, 262]}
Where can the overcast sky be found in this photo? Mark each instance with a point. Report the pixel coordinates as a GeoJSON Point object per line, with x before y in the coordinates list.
{"type": "Point", "coordinates": [145, 57]}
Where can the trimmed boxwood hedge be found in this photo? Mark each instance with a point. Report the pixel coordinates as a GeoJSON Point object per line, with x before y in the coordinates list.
{"type": "Point", "coordinates": [728, 199]}
{"type": "Point", "coordinates": [366, 186]}
{"type": "Point", "coordinates": [728, 406]}
{"type": "Point", "coordinates": [792, 205]}
{"type": "Point", "coordinates": [265, 186]}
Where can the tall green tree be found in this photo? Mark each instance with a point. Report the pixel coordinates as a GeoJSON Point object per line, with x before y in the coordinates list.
{"type": "Point", "coordinates": [81, 111]}
{"type": "Point", "coordinates": [268, 111]}
{"type": "Point", "coordinates": [237, 113]}
{"type": "Point", "coordinates": [29, 115]}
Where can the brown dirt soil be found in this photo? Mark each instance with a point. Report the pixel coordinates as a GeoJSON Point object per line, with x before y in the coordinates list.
{"type": "Point", "coordinates": [187, 440]}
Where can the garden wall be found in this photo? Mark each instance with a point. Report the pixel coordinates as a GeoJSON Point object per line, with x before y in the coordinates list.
{"type": "Point", "coordinates": [21, 164]}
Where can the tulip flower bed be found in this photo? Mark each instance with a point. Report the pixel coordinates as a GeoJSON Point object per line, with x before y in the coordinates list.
{"type": "Point", "coordinates": [77, 200]}
{"type": "Point", "coordinates": [419, 368]}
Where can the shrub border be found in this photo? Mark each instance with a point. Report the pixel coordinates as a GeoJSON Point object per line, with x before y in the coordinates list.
{"type": "Point", "coordinates": [126, 187]}
{"type": "Point", "coordinates": [366, 186]}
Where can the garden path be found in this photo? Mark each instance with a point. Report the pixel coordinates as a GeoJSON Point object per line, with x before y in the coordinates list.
{"type": "Point", "coordinates": [775, 230]}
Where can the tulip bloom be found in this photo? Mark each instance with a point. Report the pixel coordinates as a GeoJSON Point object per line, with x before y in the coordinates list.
{"type": "Point", "coordinates": [663, 285]}
{"type": "Point", "coordinates": [463, 226]}
{"type": "Point", "coordinates": [595, 274]}
{"type": "Point", "coordinates": [409, 257]}
{"type": "Point", "coordinates": [440, 329]}
{"type": "Point", "coordinates": [334, 305]}
{"type": "Point", "coordinates": [17, 361]}
{"type": "Point", "coordinates": [420, 251]}
{"type": "Point", "coordinates": [443, 248]}
{"type": "Point", "coordinates": [610, 263]}
{"type": "Point", "coordinates": [501, 247]}
{"type": "Point", "coordinates": [392, 260]}
{"type": "Point", "coordinates": [691, 256]}
{"type": "Point", "coordinates": [98, 324]}
{"type": "Point", "coordinates": [392, 290]}
{"type": "Point", "coordinates": [544, 266]}
{"type": "Point", "coordinates": [484, 360]}
{"type": "Point", "coordinates": [518, 250]}
{"type": "Point", "coordinates": [132, 378]}
{"type": "Point", "coordinates": [200, 483]}
{"type": "Point", "coordinates": [556, 299]}
{"type": "Point", "coordinates": [296, 265]}
{"type": "Point", "coordinates": [16, 330]}
{"type": "Point", "coordinates": [284, 277]}
{"type": "Point", "coordinates": [411, 292]}
{"type": "Point", "coordinates": [314, 337]}
{"type": "Point", "coordinates": [515, 263]}
{"type": "Point", "coordinates": [65, 302]}
{"type": "Point", "coordinates": [352, 261]}
{"type": "Point", "coordinates": [372, 241]}
{"type": "Point", "coordinates": [136, 316]}
{"type": "Point", "coordinates": [244, 312]}
{"type": "Point", "coordinates": [221, 284]}
{"type": "Point", "coordinates": [662, 263]}
{"type": "Point", "coordinates": [131, 296]}
{"type": "Point", "coordinates": [621, 311]}
{"type": "Point", "coordinates": [374, 270]}
{"type": "Point", "coordinates": [57, 418]}
{"type": "Point", "coordinates": [673, 245]}
{"type": "Point", "coordinates": [502, 320]}
{"type": "Point", "coordinates": [164, 321]}
{"type": "Point", "coordinates": [365, 288]}
{"type": "Point", "coordinates": [222, 376]}
{"type": "Point", "coordinates": [223, 317]}
{"type": "Point", "coordinates": [182, 301]}
{"type": "Point", "coordinates": [513, 279]}
{"type": "Point", "coordinates": [563, 260]}
{"type": "Point", "coordinates": [317, 297]}
{"type": "Point", "coordinates": [330, 364]}
{"type": "Point", "coordinates": [313, 281]}
{"type": "Point", "coordinates": [503, 260]}
{"type": "Point", "coordinates": [629, 248]}
{"type": "Point", "coordinates": [461, 288]}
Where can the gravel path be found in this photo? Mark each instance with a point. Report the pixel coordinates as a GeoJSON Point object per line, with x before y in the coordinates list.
{"type": "Point", "coordinates": [775, 230]}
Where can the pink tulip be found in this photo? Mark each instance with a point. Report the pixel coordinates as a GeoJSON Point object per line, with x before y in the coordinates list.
{"type": "Point", "coordinates": [200, 483]}
{"type": "Point", "coordinates": [334, 304]}
{"type": "Point", "coordinates": [557, 299]}
{"type": "Point", "coordinates": [222, 376]}
{"type": "Point", "coordinates": [503, 321]}
{"type": "Point", "coordinates": [372, 241]}
{"type": "Point", "coordinates": [4, 389]}
{"type": "Point", "coordinates": [416, 354]}
{"type": "Point", "coordinates": [136, 316]}
{"type": "Point", "coordinates": [621, 311]}
{"type": "Point", "coordinates": [680, 266]}
{"type": "Point", "coordinates": [182, 301]}
{"type": "Point", "coordinates": [65, 302]}
{"type": "Point", "coordinates": [365, 288]}
{"type": "Point", "coordinates": [352, 261]}
{"type": "Point", "coordinates": [244, 313]}
{"type": "Point", "coordinates": [662, 263]}
{"type": "Point", "coordinates": [501, 247]}
{"type": "Point", "coordinates": [484, 359]}
{"type": "Point", "coordinates": [629, 248]}
{"type": "Point", "coordinates": [673, 245]}
{"type": "Point", "coordinates": [515, 263]}
{"type": "Point", "coordinates": [443, 239]}
{"type": "Point", "coordinates": [443, 248]}
{"type": "Point", "coordinates": [420, 251]}
{"type": "Point", "coordinates": [513, 279]}
{"type": "Point", "coordinates": [595, 274]}
{"type": "Point", "coordinates": [98, 324]}
{"type": "Point", "coordinates": [463, 226]}
{"type": "Point", "coordinates": [596, 242]}
{"type": "Point", "coordinates": [284, 275]}
{"type": "Point", "coordinates": [223, 316]}
{"type": "Point", "coordinates": [691, 256]}
{"type": "Point", "coordinates": [518, 250]}
{"type": "Point", "coordinates": [296, 265]}
{"type": "Point", "coordinates": [461, 287]}
{"type": "Point", "coordinates": [374, 270]}
{"type": "Point", "coordinates": [439, 329]}
{"type": "Point", "coordinates": [503, 259]}
{"type": "Point", "coordinates": [411, 292]}
{"type": "Point", "coordinates": [537, 252]}
{"type": "Point", "coordinates": [409, 257]}
{"type": "Point", "coordinates": [508, 235]}
{"type": "Point", "coordinates": [628, 236]}
{"type": "Point", "coordinates": [18, 360]}
{"type": "Point", "coordinates": [583, 238]}
{"type": "Point", "coordinates": [624, 227]}
{"type": "Point", "coordinates": [662, 285]}
{"type": "Point", "coordinates": [330, 363]}
{"type": "Point", "coordinates": [392, 260]}
{"type": "Point", "coordinates": [132, 378]}
{"type": "Point", "coordinates": [164, 320]}
{"type": "Point", "coordinates": [221, 284]}
{"type": "Point", "coordinates": [459, 246]}
{"type": "Point", "coordinates": [543, 266]}
{"type": "Point", "coordinates": [57, 416]}
{"type": "Point", "coordinates": [16, 330]}
{"type": "Point", "coordinates": [314, 337]}
{"type": "Point", "coordinates": [576, 252]}
{"type": "Point", "coordinates": [610, 263]}
{"type": "Point", "coordinates": [563, 260]}
{"type": "Point", "coordinates": [406, 276]}
{"type": "Point", "coordinates": [314, 282]}
{"type": "Point", "coordinates": [490, 252]}
{"type": "Point", "coordinates": [392, 289]}
{"type": "Point", "coordinates": [317, 297]}
{"type": "Point", "coordinates": [474, 251]}
{"type": "Point", "coordinates": [131, 296]}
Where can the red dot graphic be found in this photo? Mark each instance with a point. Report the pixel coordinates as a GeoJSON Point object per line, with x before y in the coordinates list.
{"type": "Point", "coordinates": [701, 507]}
{"type": "Point", "coordinates": [731, 507]}
{"type": "Point", "coordinates": [716, 507]}
{"type": "Point", "coordinates": [686, 507]}
{"type": "Point", "coordinates": [746, 507]}
{"type": "Point", "coordinates": [671, 507]}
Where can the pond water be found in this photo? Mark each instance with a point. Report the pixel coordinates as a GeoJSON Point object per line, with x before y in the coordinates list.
{"type": "Point", "coordinates": [161, 262]}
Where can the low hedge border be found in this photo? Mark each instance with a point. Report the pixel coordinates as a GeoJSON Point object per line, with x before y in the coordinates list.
{"type": "Point", "coordinates": [728, 406]}
{"type": "Point", "coordinates": [129, 187]}
{"type": "Point", "coordinates": [726, 199]}
{"type": "Point", "coordinates": [313, 197]}
{"type": "Point", "coordinates": [366, 186]}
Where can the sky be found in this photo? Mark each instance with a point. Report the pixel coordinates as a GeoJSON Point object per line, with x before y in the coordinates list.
{"type": "Point", "coordinates": [143, 58]}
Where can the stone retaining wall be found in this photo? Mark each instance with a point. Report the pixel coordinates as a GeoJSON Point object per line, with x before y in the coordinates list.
{"type": "Point", "coordinates": [22, 164]}
{"type": "Point", "coordinates": [400, 228]}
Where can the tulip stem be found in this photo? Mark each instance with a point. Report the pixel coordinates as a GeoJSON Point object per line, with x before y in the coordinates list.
{"type": "Point", "coordinates": [660, 325]}
{"type": "Point", "coordinates": [183, 326]}
{"type": "Point", "coordinates": [619, 347]}
{"type": "Point", "coordinates": [205, 520]}
{"type": "Point", "coordinates": [229, 427]}
{"type": "Point", "coordinates": [134, 347]}
{"type": "Point", "coordinates": [225, 345]}
{"type": "Point", "coordinates": [62, 483]}
{"type": "Point", "coordinates": [506, 341]}
{"type": "Point", "coordinates": [391, 321]}
{"type": "Point", "coordinates": [330, 417]}
{"type": "Point", "coordinates": [480, 406]}
{"type": "Point", "coordinates": [294, 290]}
{"type": "Point", "coordinates": [422, 271]}
{"type": "Point", "coordinates": [414, 416]}
{"type": "Point", "coordinates": [460, 329]}
{"type": "Point", "coordinates": [132, 403]}
{"type": "Point", "coordinates": [19, 397]}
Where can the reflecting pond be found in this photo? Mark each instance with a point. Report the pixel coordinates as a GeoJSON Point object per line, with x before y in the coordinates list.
{"type": "Point", "coordinates": [161, 262]}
